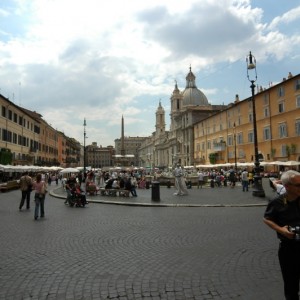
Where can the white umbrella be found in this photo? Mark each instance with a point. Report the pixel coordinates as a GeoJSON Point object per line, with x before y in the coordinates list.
{"type": "Point", "coordinates": [290, 163]}
{"type": "Point", "coordinates": [69, 170]}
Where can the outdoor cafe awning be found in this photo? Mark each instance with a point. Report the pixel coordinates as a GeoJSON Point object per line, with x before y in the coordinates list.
{"type": "Point", "coordinates": [289, 163]}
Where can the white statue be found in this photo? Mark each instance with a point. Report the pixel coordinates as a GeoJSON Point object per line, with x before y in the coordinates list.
{"type": "Point", "coordinates": [179, 181]}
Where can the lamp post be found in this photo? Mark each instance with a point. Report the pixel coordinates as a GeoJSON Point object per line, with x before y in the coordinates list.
{"type": "Point", "coordinates": [234, 136]}
{"type": "Point", "coordinates": [258, 190]}
{"type": "Point", "coordinates": [84, 152]}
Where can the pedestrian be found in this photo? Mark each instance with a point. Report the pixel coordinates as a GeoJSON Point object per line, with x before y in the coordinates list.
{"type": "Point", "coordinates": [26, 188]}
{"type": "Point", "coordinates": [40, 189]}
{"type": "Point", "coordinates": [70, 187]}
{"type": "Point", "coordinates": [232, 178]}
{"type": "Point", "coordinates": [283, 215]}
{"type": "Point", "coordinates": [179, 181]}
{"type": "Point", "coordinates": [245, 180]}
{"type": "Point", "coordinates": [251, 180]}
{"type": "Point", "coordinates": [130, 187]}
{"type": "Point", "coordinates": [200, 179]}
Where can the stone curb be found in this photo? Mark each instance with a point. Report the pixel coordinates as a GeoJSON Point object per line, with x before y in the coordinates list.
{"type": "Point", "coordinates": [156, 204]}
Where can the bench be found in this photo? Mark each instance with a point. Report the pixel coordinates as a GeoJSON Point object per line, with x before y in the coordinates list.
{"type": "Point", "coordinates": [114, 192]}
{"type": "Point", "coordinates": [10, 185]}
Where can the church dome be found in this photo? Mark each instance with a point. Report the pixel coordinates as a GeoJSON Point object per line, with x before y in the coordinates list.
{"type": "Point", "coordinates": [192, 96]}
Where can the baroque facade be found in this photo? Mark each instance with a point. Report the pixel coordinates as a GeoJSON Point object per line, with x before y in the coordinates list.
{"type": "Point", "coordinates": [165, 148]}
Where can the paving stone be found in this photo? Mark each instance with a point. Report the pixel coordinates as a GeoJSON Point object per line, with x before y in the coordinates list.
{"type": "Point", "coordinates": [211, 244]}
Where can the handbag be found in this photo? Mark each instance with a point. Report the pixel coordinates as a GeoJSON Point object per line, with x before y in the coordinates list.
{"type": "Point", "coordinates": [44, 189]}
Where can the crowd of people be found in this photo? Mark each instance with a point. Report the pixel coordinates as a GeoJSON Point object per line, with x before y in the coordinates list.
{"type": "Point", "coordinates": [226, 177]}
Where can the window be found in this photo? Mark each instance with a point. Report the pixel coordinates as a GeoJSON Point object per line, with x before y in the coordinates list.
{"type": "Point", "coordinates": [208, 145]}
{"type": "Point", "coordinates": [297, 84]}
{"type": "Point", "coordinates": [250, 137]}
{"type": "Point", "coordinates": [280, 91]}
{"type": "Point", "coordinates": [267, 133]}
{"type": "Point", "coordinates": [297, 129]}
{"type": "Point", "coordinates": [20, 120]}
{"type": "Point", "coordinates": [298, 101]}
{"type": "Point", "coordinates": [282, 130]}
{"type": "Point", "coordinates": [266, 99]}
{"type": "Point", "coordinates": [283, 150]}
{"type": "Point", "coordinates": [241, 153]}
{"type": "Point", "coordinates": [230, 140]}
{"type": "Point", "coordinates": [266, 112]}
{"type": "Point", "coordinates": [281, 107]}
{"type": "Point", "coordinates": [250, 117]}
{"type": "Point", "coordinates": [15, 138]}
{"type": "Point", "coordinates": [15, 118]}
{"type": "Point", "coordinates": [10, 114]}
{"type": "Point", "coordinates": [6, 135]}
{"type": "Point", "coordinates": [4, 111]}
{"type": "Point", "coordinates": [19, 140]}
{"type": "Point", "coordinates": [239, 138]}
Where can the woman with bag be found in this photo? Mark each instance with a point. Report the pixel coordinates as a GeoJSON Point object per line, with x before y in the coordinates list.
{"type": "Point", "coordinates": [40, 189]}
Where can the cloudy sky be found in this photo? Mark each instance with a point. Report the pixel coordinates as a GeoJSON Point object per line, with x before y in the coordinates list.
{"type": "Point", "coordinates": [99, 60]}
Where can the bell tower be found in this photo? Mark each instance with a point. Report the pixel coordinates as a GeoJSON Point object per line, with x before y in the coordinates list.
{"type": "Point", "coordinates": [160, 120]}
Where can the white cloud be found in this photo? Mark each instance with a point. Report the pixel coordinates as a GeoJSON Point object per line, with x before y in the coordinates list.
{"type": "Point", "coordinates": [98, 60]}
{"type": "Point", "coordinates": [288, 17]}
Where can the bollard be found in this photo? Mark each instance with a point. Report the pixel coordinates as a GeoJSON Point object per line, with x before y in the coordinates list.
{"type": "Point", "coordinates": [147, 185]}
{"type": "Point", "coordinates": [155, 193]}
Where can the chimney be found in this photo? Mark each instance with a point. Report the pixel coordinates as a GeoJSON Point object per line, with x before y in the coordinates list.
{"type": "Point", "coordinates": [237, 99]}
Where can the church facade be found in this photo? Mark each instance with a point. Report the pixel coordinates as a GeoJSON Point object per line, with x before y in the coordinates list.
{"type": "Point", "coordinates": [176, 145]}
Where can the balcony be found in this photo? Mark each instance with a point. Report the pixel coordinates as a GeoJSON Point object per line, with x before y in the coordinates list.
{"type": "Point", "coordinates": [218, 147]}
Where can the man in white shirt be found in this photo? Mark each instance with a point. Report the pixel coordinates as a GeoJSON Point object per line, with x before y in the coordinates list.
{"type": "Point", "coordinates": [200, 179]}
{"type": "Point", "coordinates": [245, 180]}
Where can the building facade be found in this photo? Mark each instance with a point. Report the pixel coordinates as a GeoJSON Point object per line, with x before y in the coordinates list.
{"type": "Point", "coordinates": [29, 140]}
{"type": "Point", "coordinates": [99, 157]}
{"type": "Point", "coordinates": [130, 152]}
{"type": "Point", "coordinates": [228, 136]}
{"type": "Point", "coordinates": [165, 148]}
{"type": "Point", "coordinates": [19, 133]}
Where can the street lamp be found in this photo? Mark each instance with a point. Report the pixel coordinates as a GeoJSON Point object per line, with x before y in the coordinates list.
{"type": "Point", "coordinates": [258, 190]}
{"type": "Point", "coordinates": [234, 136]}
{"type": "Point", "coordinates": [84, 152]}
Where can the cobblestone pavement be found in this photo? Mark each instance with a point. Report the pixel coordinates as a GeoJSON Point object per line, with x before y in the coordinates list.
{"type": "Point", "coordinates": [140, 252]}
